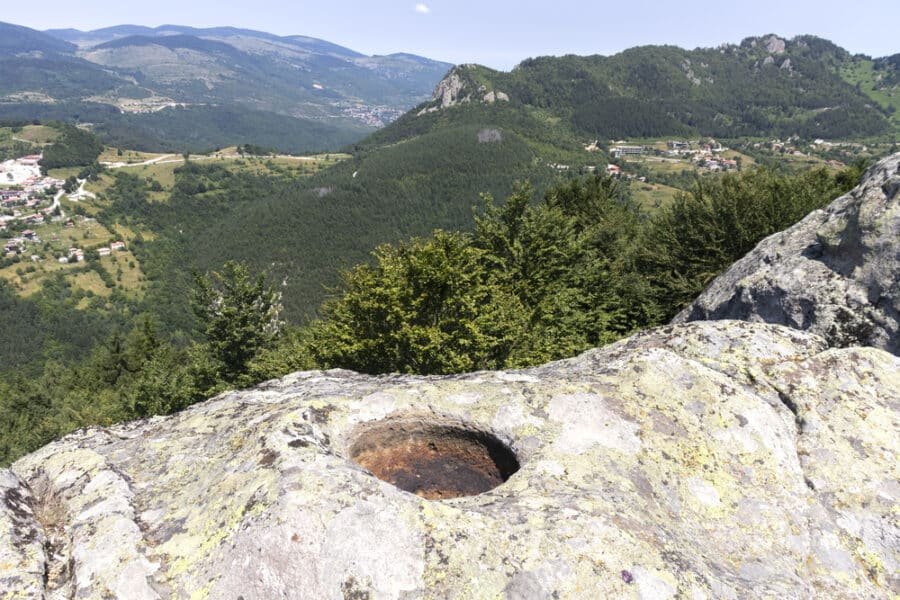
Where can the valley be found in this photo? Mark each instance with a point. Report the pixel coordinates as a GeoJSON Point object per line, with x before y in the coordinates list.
{"type": "Point", "coordinates": [609, 166]}
{"type": "Point", "coordinates": [76, 241]}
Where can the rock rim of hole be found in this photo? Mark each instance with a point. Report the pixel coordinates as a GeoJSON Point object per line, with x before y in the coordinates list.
{"type": "Point", "coordinates": [433, 456]}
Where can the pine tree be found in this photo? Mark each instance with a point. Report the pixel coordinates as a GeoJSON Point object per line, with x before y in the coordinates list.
{"type": "Point", "coordinates": [238, 315]}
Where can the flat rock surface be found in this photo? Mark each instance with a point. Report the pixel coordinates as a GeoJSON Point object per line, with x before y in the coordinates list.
{"type": "Point", "coordinates": [710, 460]}
{"type": "Point", "coordinates": [836, 273]}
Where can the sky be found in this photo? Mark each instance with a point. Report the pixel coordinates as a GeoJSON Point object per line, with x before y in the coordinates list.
{"type": "Point", "coordinates": [499, 34]}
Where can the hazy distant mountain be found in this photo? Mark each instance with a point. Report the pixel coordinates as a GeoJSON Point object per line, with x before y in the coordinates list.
{"type": "Point", "coordinates": [295, 75]}
{"type": "Point", "coordinates": [15, 39]}
{"type": "Point", "coordinates": [67, 73]}
{"type": "Point", "coordinates": [86, 39]}
{"type": "Point", "coordinates": [764, 86]}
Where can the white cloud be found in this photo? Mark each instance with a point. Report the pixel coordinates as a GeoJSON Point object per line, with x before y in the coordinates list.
{"type": "Point", "coordinates": [422, 9]}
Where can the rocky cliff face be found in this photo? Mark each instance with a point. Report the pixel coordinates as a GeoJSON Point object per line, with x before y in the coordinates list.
{"type": "Point", "coordinates": [836, 273]}
{"type": "Point", "coordinates": [709, 460]}
{"type": "Point", "coordinates": [459, 88]}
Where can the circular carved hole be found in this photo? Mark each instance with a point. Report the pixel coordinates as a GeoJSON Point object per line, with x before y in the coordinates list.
{"type": "Point", "coordinates": [434, 460]}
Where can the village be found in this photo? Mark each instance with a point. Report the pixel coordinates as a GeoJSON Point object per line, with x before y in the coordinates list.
{"type": "Point", "coordinates": [373, 116]}
{"type": "Point", "coordinates": [31, 199]}
{"type": "Point", "coordinates": [26, 195]}
{"type": "Point", "coordinates": [27, 242]}
{"type": "Point", "coordinates": [710, 156]}
{"type": "Point", "coordinates": [707, 155]}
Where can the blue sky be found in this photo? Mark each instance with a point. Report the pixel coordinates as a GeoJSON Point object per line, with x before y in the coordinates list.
{"type": "Point", "coordinates": [497, 33]}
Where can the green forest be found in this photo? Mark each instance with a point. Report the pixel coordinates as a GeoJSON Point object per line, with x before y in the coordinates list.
{"type": "Point", "coordinates": [814, 89]}
{"type": "Point", "coordinates": [193, 129]}
{"type": "Point", "coordinates": [74, 148]}
{"type": "Point", "coordinates": [539, 276]}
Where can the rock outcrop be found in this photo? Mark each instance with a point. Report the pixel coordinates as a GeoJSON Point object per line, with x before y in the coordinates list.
{"type": "Point", "coordinates": [836, 273]}
{"type": "Point", "coordinates": [775, 44]}
{"type": "Point", "coordinates": [459, 88]}
{"type": "Point", "coordinates": [710, 460]}
{"type": "Point", "coordinates": [448, 90]}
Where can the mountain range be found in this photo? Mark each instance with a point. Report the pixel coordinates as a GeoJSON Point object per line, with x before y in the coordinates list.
{"type": "Point", "coordinates": [136, 72]}
{"type": "Point", "coordinates": [142, 85]}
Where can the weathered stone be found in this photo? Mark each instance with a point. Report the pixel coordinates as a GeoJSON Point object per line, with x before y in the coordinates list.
{"type": "Point", "coordinates": [710, 460]}
{"type": "Point", "coordinates": [449, 90]}
{"type": "Point", "coordinates": [836, 273]}
{"type": "Point", "coordinates": [22, 557]}
{"type": "Point", "coordinates": [775, 45]}
{"type": "Point", "coordinates": [490, 136]}
{"type": "Point", "coordinates": [455, 89]}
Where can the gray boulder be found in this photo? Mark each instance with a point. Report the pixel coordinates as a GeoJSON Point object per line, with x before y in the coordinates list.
{"type": "Point", "coordinates": [711, 460]}
{"type": "Point", "coordinates": [490, 136]}
{"type": "Point", "coordinates": [775, 45]}
{"type": "Point", "coordinates": [836, 273]}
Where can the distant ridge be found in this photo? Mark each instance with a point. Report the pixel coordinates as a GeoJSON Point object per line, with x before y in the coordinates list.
{"type": "Point", "coordinates": [15, 39]}
{"type": "Point", "coordinates": [169, 41]}
{"type": "Point", "coordinates": [106, 34]}
{"type": "Point", "coordinates": [264, 78]}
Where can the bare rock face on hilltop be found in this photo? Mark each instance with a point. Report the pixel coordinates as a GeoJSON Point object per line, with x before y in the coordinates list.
{"type": "Point", "coordinates": [836, 273]}
{"type": "Point", "coordinates": [448, 90]}
{"type": "Point", "coordinates": [774, 44]}
{"type": "Point", "coordinates": [457, 88]}
{"type": "Point", "coordinates": [710, 460]}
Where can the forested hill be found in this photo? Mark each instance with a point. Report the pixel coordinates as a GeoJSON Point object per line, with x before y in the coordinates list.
{"type": "Point", "coordinates": [15, 39]}
{"type": "Point", "coordinates": [763, 86]}
{"type": "Point", "coordinates": [485, 129]}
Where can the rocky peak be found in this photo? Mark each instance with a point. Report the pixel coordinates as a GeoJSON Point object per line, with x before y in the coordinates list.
{"type": "Point", "coordinates": [774, 44]}
{"type": "Point", "coordinates": [448, 90]}
{"type": "Point", "coordinates": [771, 45]}
{"type": "Point", "coordinates": [458, 87]}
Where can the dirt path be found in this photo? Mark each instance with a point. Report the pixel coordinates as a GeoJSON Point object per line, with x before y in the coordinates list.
{"type": "Point", "coordinates": [168, 159]}
{"type": "Point", "coordinates": [152, 161]}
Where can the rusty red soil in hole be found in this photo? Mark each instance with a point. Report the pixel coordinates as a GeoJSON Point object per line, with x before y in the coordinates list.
{"type": "Point", "coordinates": [434, 461]}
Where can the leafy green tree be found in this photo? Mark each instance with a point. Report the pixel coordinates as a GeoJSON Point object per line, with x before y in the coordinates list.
{"type": "Point", "coordinates": [74, 148]}
{"type": "Point", "coordinates": [291, 352]}
{"type": "Point", "coordinates": [168, 381]}
{"type": "Point", "coordinates": [427, 306]}
{"type": "Point", "coordinates": [567, 260]}
{"type": "Point", "coordinates": [238, 315]}
{"type": "Point", "coordinates": [535, 282]}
